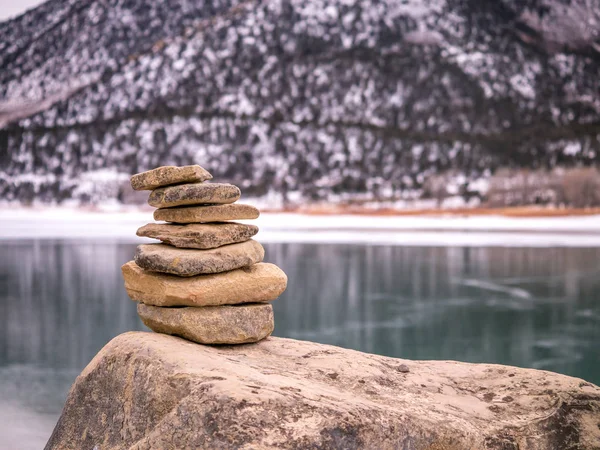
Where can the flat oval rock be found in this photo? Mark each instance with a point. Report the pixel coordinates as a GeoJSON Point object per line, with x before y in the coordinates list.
{"type": "Point", "coordinates": [262, 282]}
{"type": "Point", "coordinates": [198, 235]}
{"type": "Point", "coordinates": [189, 262]}
{"type": "Point", "coordinates": [212, 324]}
{"type": "Point", "coordinates": [203, 214]}
{"type": "Point", "coordinates": [194, 194]}
{"type": "Point", "coordinates": [167, 175]}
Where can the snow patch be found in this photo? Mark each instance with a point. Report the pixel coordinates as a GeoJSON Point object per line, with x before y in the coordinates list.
{"type": "Point", "coordinates": [70, 223]}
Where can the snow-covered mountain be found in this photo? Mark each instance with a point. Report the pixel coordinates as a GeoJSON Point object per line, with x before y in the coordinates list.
{"type": "Point", "coordinates": [296, 99]}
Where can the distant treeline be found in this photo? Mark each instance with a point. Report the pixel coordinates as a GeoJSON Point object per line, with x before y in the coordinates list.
{"type": "Point", "coordinates": [573, 187]}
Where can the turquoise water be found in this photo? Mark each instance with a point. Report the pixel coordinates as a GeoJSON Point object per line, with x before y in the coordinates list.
{"type": "Point", "coordinates": [61, 301]}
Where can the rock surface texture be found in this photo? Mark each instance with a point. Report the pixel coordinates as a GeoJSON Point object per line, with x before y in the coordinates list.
{"type": "Point", "coordinates": [168, 175]}
{"type": "Point", "coordinates": [201, 236]}
{"type": "Point", "coordinates": [190, 262]}
{"type": "Point", "coordinates": [151, 391]}
{"type": "Point", "coordinates": [203, 214]}
{"type": "Point", "coordinates": [193, 194]}
{"type": "Point", "coordinates": [212, 324]}
{"type": "Point", "coordinates": [261, 282]}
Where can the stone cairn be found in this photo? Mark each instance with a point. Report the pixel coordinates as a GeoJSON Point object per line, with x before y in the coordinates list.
{"type": "Point", "coordinates": [206, 281]}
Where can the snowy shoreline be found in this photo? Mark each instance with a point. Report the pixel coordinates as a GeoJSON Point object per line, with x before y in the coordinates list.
{"type": "Point", "coordinates": [439, 230]}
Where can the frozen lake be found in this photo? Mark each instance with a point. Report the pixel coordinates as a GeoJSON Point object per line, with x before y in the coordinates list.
{"type": "Point", "coordinates": [62, 300]}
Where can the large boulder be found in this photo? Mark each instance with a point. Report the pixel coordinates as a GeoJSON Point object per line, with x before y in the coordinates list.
{"type": "Point", "coordinates": [152, 391]}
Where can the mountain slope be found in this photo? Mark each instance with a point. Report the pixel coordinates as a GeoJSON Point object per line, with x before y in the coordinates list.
{"type": "Point", "coordinates": [301, 99]}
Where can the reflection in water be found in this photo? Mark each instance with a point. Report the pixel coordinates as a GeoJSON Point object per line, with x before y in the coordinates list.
{"type": "Point", "coordinates": [525, 307]}
{"type": "Point", "coordinates": [61, 301]}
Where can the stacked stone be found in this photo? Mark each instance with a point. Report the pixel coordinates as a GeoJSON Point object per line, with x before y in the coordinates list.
{"type": "Point", "coordinates": [206, 281]}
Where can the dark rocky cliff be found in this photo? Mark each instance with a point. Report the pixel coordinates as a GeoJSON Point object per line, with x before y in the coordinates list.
{"type": "Point", "coordinates": [305, 99]}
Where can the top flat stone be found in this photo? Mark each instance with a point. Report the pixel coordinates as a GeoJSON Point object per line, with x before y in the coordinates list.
{"type": "Point", "coordinates": [207, 214]}
{"type": "Point", "coordinates": [168, 175]}
{"type": "Point", "coordinates": [194, 194]}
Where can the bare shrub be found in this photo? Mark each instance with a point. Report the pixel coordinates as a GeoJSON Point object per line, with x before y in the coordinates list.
{"type": "Point", "coordinates": [581, 187]}
{"type": "Point", "coordinates": [436, 187]}
{"type": "Point", "coordinates": [519, 187]}
{"type": "Point", "coordinates": [450, 186]}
